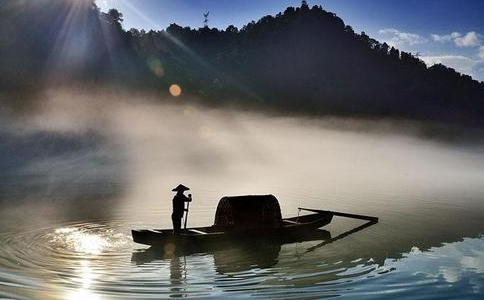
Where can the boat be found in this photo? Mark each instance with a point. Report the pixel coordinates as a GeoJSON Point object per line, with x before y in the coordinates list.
{"type": "Point", "coordinates": [256, 250]}
{"type": "Point", "coordinates": [292, 229]}
{"type": "Point", "coordinates": [239, 219]}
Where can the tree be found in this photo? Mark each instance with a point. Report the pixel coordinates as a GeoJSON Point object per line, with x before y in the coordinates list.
{"type": "Point", "coordinates": [231, 29]}
{"type": "Point", "coordinates": [304, 60]}
{"type": "Point", "coordinates": [115, 17]}
{"type": "Point", "coordinates": [394, 53]}
{"type": "Point", "coordinates": [384, 48]}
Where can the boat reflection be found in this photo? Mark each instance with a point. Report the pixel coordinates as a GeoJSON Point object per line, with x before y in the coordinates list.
{"type": "Point", "coordinates": [342, 235]}
{"type": "Point", "coordinates": [238, 256]}
{"type": "Point", "coordinates": [239, 259]}
{"type": "Point", "coordinates": [235, 256]}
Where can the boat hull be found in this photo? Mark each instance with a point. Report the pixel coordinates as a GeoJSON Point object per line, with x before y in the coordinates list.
{"type": "Point", "coordinates": [294, 229]}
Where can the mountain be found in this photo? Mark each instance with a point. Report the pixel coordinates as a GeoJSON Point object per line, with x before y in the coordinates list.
{"type": "Point", "coordinates": [304, 60]}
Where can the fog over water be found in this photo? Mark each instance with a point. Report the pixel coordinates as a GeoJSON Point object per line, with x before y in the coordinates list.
{"type": "Point", "coordinates": [102, 163]}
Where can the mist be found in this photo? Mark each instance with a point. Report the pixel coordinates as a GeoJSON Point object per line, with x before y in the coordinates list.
{"type": "Point", "coordinates": [132, 149]}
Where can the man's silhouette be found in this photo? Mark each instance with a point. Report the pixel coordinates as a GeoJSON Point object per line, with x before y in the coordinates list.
{"type": "Point", "coordinates": [179, 206]}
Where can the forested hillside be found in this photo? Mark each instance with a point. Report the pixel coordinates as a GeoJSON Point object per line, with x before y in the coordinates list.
{"type": "Point", "coordinates": [303, 60]}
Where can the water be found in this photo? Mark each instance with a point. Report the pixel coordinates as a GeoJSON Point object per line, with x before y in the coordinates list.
{"type": "Point", "coordinates": [72, 241]}
{"type": "Point", "coordinates": [96, 259]}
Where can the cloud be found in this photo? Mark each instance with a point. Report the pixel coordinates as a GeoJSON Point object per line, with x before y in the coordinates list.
{"type": "Point", "coordinates": [466, 65]}
{"type": "Point", "coordinates": [399, 38]}
{"type": "Point", "coordinates": [481, 53]}
{"type": "Point", "coordinates": [460, 63]}
{"type": "Point", "coordinates": [471, 39]}
{"type": "Point", "coordinates": [456, 263]}
{"type": "Point", "coordinates": [445, 38]}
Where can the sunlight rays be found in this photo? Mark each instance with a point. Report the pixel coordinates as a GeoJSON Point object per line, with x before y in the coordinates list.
{"type": "Point", "coordinates": [169, 36]}
{"type": "Point", "coordinates": [187, 50]}
{"type": "Point", "coordinates": [72, 43]}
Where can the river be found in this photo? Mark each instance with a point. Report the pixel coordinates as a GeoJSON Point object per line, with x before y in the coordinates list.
{"type": "Point", "coordinates": [73, 188]}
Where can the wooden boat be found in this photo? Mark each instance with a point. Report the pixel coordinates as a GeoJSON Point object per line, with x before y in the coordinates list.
{"type": "Point", "coordinates": [292, 229]}
{"type": "Point", "coordinates": [243, 218]}
{"type": "Point", "coordinates": [230, 255]}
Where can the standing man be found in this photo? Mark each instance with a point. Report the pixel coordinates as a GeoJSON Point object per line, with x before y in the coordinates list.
{"type": "Point", "coordinates": [179, 207]}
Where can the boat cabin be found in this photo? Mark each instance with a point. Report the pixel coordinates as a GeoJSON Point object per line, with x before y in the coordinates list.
{"type": "Point", "coordinates": [248, 212]}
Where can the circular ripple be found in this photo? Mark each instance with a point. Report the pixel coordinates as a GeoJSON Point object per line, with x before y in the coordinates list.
{"type": "Point", "coordinates": [98, 260]}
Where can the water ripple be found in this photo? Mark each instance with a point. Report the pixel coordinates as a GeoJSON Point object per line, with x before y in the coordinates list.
{"type": "Point", "coordinates": [98, 260]}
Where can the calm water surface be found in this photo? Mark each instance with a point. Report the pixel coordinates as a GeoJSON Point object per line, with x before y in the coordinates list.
{"type": "Point", "coordinates": [74, 243]}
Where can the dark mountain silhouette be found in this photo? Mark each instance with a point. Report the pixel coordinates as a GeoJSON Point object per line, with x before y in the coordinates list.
{"type": "Point", "coordinates": [304, 60]}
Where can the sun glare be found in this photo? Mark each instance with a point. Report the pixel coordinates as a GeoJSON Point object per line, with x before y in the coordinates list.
{"type": "Point", "coordinates": [83, 242]}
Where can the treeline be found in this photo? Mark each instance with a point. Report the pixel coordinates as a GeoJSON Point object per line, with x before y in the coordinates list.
{"type": "Point", "coordinates": [304, 60]}
{"type": "Point", "coordinates": [44, 43]}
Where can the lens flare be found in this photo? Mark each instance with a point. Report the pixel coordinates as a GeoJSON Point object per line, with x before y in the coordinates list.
{"type": "Point", "coordinates": [175, 90]}
{"type": "Point", "coordinates": [169, 250]}
{"type": "Point", "coordinates": [155, 66]}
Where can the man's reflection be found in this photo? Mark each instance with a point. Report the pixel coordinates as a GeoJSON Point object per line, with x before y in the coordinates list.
{"type": "Point", "coordinates": [177, 272]}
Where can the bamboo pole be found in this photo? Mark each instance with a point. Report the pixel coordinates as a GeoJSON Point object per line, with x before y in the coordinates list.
{"type": "Point", "coordinates": [342, 214]}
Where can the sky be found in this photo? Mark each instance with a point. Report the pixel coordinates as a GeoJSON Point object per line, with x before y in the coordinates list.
{"type": "Point", "coordinates": [438, 31]}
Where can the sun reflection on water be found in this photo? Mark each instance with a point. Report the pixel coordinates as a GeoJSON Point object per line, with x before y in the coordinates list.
{"type": "Point", "coordinates": [83, 246]}
{"type": "Point", "coordinates": [82, 294]}
{"type": "Point", "coordinates": [87, 241]}
{"type": "Point", "coordinates": [85, 278]}
{"type": "Point", "coordinates": [80, 241]}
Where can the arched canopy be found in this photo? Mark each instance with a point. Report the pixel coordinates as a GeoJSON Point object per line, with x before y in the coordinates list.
{"type": "Point", "coordinates": [252, 211]}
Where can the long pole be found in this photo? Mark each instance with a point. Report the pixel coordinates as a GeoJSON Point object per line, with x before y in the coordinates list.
{"type": "Point", "coordinates": [186, 215]}
{"type": "Point", "coordinates": [341, 214]}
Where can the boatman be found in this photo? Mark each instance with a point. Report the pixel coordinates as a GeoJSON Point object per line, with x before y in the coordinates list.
{"type": "Point", "coordinates": [179, 207]}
